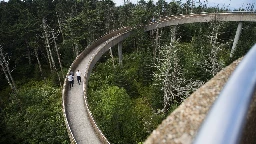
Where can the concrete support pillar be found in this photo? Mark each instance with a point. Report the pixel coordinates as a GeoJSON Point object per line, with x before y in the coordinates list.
{"type": "Point", "coordinates": [120, 45]}
{"type": "Point", "coordinates": [238, 32]}
{"type": "Point", "coordinates": [111, 55]}
{"type": "Point", "coordinates": [173, 33]}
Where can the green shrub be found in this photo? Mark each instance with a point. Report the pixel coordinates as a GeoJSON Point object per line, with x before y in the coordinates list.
{"type": "Point", "coordinates": [34, 115]}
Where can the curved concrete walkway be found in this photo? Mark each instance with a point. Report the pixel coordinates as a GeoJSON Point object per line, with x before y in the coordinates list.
{"type": "Point", "coordinates": [76, 109]}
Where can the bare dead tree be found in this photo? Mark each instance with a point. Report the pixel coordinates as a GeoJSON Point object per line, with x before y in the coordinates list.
{"type": "Point", "coordinates": [216, 46]}
{"type": "Point", "coordinates": [34, 46]}
{"type": "Point", "coordinates": [170, 76]}
{"type": "Point", "coordinates": [5, 74]}
{"type": "Point", "coordinates": [5, 68]}
{"type": "Point", "coordinates": [57, 51]}
{"type": "Point", "coordinates": [48, 49]}
{"type": "Point", "coordinates": [47, 43]}
{"type": "Point", "coordinates": [53, 64]}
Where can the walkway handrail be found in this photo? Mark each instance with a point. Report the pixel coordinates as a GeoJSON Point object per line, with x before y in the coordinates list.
{"type": "Point", "coordinates": [193, 18]}
{"type": "Point", "coordinates": [226, 119]}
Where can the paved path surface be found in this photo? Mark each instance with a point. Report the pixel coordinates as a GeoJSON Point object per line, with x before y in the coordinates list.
{"type": "Point", "coordinates": [76, 112]}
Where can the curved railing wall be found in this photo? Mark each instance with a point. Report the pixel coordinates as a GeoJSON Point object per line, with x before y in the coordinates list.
{"type": "Point", "coordinates": [194, 18]}
{"type": "Point", "coordinates": [226, 119]}
{"type": "Point", "coordinates": [64, 97]}
{"type": "Point", "coordinates": [121, 34]}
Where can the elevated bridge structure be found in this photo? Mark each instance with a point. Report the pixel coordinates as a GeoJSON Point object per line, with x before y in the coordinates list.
{"type": "Point", "coordinates": [79, 120]}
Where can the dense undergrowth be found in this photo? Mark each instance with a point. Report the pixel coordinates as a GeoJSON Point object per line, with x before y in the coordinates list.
{"type": "Point", "coordinates": [34, 115]}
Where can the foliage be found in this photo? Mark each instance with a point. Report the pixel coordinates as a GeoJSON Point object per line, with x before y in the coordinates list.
{"type": "Point", "coordinates": [122, 102]}
{"type": "Point", "coordinates": [115, 108]}
{"type": "Point", "coordinates": [246, 40]}
{"type": "Point", "coordinates": [183, 67]}
{"type": "Point", "coordinates": [170, 76]}
{"type": "Point", "coordinates": [36, 116]}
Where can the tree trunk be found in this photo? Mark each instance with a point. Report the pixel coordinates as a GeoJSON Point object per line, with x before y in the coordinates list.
{"type": "Point", "coordinates": [156, 44]}
{"type": "Point", "coordinates": [38, 61]}
{"type": "Point", "coordinates": [60, 27]}
{"type": "Point", "coordinates": [5, 74]}
{"type": "Point", "coordinates": [216, 47]}
{"type": "Point", "coordinates": [76, 49]}
{"type": "Point", "coordinates": [54, 66]}
{"type": "Point", "coordinates": [7, 71]}
{"type": "Point", "coordinates": [49, 52]}
{"type": "Point", "coordinates": [57, 52]}
{"type": "Point", "coordinates": [166, 93]}
{"type": "Point", "coordinates": [111, 55]}
{"type": "Point", "coordinates": [47, 44]}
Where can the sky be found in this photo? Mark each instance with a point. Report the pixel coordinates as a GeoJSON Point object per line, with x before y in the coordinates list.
{"type": "Point", "coordinates": [231, 4]}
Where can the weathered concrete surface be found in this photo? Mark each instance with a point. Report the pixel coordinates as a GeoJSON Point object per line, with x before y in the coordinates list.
{"type": "Point", "coordinates": [181, 126]}
{"type": "Point", "coordinates": [193, 18]}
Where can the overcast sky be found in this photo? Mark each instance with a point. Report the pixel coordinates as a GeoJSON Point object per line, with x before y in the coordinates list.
{"type": "Point", "coordinates": [231, 4]}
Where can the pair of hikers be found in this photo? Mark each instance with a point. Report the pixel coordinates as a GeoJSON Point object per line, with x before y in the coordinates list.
{"type": "Point", "coordinates": [71, 78]}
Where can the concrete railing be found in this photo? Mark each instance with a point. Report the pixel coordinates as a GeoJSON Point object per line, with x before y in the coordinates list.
{"type": "Point", "coordinates": [226, 119]}
{"type": "Point", "coordinates": [64, 99]}
{"type": "Point", "coordinates": [194, 18]}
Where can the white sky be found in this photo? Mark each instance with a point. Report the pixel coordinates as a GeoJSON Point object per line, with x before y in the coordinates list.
{"type": "Point", "coordinates": [231, 4]}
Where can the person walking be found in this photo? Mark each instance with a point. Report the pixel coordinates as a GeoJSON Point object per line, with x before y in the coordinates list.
{"type": "Point", "coordinates": [72, 73]}
{"type": "Point", "coordinates": [78, 76]}
{"type": "Point", "coordinates": [70, 80]}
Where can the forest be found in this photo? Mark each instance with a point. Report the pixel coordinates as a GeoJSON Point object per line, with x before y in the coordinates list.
{"type": "Point", "coordinates": [39, 39]}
